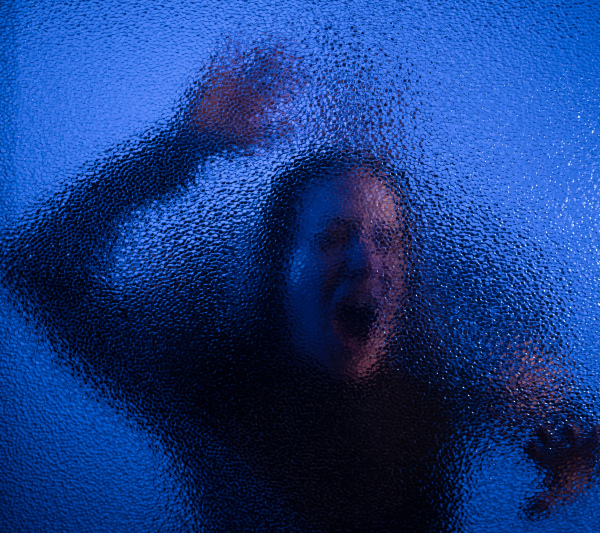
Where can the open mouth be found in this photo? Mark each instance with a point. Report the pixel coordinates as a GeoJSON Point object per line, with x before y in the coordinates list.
{"type": "Point", "coordinates": [356, 320]}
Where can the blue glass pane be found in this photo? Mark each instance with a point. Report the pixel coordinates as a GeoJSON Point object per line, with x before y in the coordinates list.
{"type": "Point", "coordinates": [290, 266]}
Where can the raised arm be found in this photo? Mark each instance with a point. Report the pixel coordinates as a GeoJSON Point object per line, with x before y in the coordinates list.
{"type": "Point", "coordinates": [53, 258]}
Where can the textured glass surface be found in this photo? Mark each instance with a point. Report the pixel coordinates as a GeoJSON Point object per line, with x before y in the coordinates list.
{"type": "Point", "coordinates": [299, 266]}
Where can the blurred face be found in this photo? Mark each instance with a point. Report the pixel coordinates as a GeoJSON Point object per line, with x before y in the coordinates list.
{"type": "Point", "coordinates": [347, 275]}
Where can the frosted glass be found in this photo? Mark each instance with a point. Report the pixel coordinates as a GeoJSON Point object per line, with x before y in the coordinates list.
{"type": "Point", "coordinates": [298, 266]}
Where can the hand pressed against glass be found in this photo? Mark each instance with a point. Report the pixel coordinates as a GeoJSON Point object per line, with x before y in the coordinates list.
{"type": "Point", "coordinates": [346, 279]}
{"type": "Point", "coordinates": [241, 103]}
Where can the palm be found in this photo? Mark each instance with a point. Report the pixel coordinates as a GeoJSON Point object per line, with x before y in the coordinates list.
{"type": "Point", "coordinates": [244, 90]}
{"type": "Point", "coordinates": [569, 460]}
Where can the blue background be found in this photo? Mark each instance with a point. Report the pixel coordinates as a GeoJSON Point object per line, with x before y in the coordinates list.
{"type": "Point", "coordinates": [508, 116]}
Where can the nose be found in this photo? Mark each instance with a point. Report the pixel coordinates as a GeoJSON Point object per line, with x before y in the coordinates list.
{"type": "Point", "coordinates": [358, 258]}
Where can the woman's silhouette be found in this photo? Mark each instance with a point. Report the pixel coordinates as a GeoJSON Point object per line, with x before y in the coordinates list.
{"type": "Point", "coordinates": [309, 393]}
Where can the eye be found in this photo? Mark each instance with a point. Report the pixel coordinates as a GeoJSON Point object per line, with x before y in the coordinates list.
{"type": "Point", "coordinates": [336, 237]}
{"type": "Point", "coordinates": [387, 240]}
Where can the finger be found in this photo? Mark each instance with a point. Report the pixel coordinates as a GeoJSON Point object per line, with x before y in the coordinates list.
{"type": "Point", "coordinates": [594, 442]}
{"type": "Point", "coordinates": [545, 435]}
{"type": "Point", "coordinates": [534, 450]}
{"type": "Point", "coordinates": [538, 506]}
{"type": "Point", "coordinates": [573, 432]}
{"type": "Point", "coordinates": [596, 434]}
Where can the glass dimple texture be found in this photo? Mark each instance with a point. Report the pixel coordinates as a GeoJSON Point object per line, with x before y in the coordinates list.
{"type": "Point", "coordinates": [288, 266]}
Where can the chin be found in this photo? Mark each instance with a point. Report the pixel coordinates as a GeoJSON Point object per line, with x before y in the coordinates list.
{"type": "Point", "coordinates": [359, 358]}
